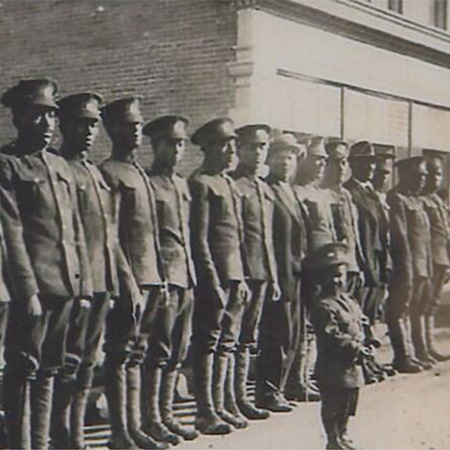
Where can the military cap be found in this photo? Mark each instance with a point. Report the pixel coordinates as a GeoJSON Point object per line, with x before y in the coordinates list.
{"type": "Point", "coordinates": [123, 110]}
{"type": "Point", "coordinates": [362, 149]}
{"type": "Point", "coordinates": [84, 105]}
{"type": "Point", "coordinates": [407, 163]}
{"type": "Point", "coordinates": [337, 150]}
{"type": "Point", "coordinates": [170, 126]}
{"type": "Point", "coordinates": [316, 147]}
{"type": "Point", "coordinates": [31, 92]}
{"type": "Point", "coordinates": [286, 142]}
{"type": "Point", "coordinates": [216, 130]}
{"type": "Point", "coordinates": [256, 133]}
{"type": "Point", "coordinates": [327, 255]}
{"type": "Point", "coordinates": [385, 152]}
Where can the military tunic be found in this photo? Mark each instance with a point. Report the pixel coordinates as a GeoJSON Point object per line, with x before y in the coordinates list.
{"type": "Point", "coordinates": [438, 216]}
{"type": "Point", "coordinates": [217, 248]}
{"type": "Point", "coordinates": [411, 245]}
{"type": "Point", "coordinates": [257, 215]}
{"type": "Point", "coordinates": [139, 241]}
{"type": "Point", "coordinates": [170, 343]}
{"type": "Point", "coordinates": [42, 204]}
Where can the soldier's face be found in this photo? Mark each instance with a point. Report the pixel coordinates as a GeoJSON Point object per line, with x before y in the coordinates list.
{"type": "Point", "coordinates": [126, 135]}
{"type": "Point", "coordinates": [435, 175]}
{"type": "Point", "coordinates": [334, 279]}
{"type": "Point", "coordinates": [253, 155]}
{"type": "Point", "coordinates": [224, 153]}
{"type": "Point", "coordinates": [169, 152]}
{"type": "Point", "coordinates": [382, 173]}
{"type": "Point", "coordinates": [418, 177]}
{"type": "Point", "coordinates": [336, 170]}
{"type": "Point", "coordinates": [283, 165]}
{"type": "Point", "coordinates": [37, 123]}
{"type": "Point", "coordinates": [363, 168]}
{"type": "Point", "coordinates": [80, 133]}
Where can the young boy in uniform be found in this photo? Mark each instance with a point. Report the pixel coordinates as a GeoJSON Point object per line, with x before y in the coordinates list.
{"type": "Point", "coordinates": [338, 322]}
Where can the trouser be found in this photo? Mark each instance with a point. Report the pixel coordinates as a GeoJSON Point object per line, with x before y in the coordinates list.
{"type": "Point", "coordinates": [436, 285]}
{"type": "Point", "coordinates": [168, 345]}
{"type": "Point", "coordinates": [338, 405]}
{"type": "Point", "coordinates": [354, 285]}
{"type": "Point", "coordinates": [216, 326]}
{"type": "Point", "coordinates": [252, 313]}
{"type": "Point", "coordinates": [34, 352]}
{"type": "Point", "coordinates": [74, 380]}
{"type": "Point", "coordinates": [280, 336]}
{"type": "Point", "coordinates": [372, 299]}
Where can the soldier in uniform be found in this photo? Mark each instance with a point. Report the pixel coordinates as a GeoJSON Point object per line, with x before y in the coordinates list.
{"type": "Point", "coordinates": [132, 319]}
{"type": "Point", "coordinates": [257, 212]}
{"type": "Point", "coordinates": [344, 212]}
{"type": "Point", "coordinates": [79, 118]}
{"type": "Point", "coordinates": [410, 235]}
{"type": "Point", "coordinates": [218, 250]}
{"type": "Point", "coordinates": [438, 216]}
{"type": "Point", "coordinates": [338, 322]}
{"type": "Point", "coordinates": [280, 323]}
{"type": "Point", "coordinates": [169, 344]}
{"type": "Point", "coordinates": [42, 216]}
{"type": "Point", "coordinates": [385, 157]}
{"type": "Point", "coordinates": [316, 203]}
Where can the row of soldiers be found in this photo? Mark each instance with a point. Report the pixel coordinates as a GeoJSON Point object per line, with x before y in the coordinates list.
{"type": "Point", "coordinates": [214, 265]}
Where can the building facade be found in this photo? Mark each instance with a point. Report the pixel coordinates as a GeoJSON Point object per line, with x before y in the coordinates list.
{"type": "Point", "coordinates": [352, 69]}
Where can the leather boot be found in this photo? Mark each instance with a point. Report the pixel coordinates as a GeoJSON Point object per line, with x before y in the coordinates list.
{"type": "Point", "coordinates": [206, 421]}
{"type": "Point", "coordinates": [16, 402]}
{"type": "Point", "coordinates": [429, 337]}
{"type": "Point", "coordinates": [62, 399]}
{"type": "Point", "coordinates": [168, 387]}
{"type": "Point", "coordinates": [230, 395]}
{"type": "Point", "coordinates": [79, 403]}
{"type": "Point", "coordinates": [241, 375]}
{"type": "Point", "coordinates": [419, 342]}
{"type": "Point", "coordinates": [41, 407]}
{"type": "Point", "coordinates": [115, 392]}
{"type": "Point", "coordinates": [402, 361]}
{"type": "Point", "coordinates": [140, 437]}
{"type": "Point", "coordinates": [152, 422]}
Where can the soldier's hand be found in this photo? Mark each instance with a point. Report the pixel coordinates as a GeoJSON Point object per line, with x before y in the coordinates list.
{"type": "Point", "coordinates": [276, 292]}
{"type": "Point", "coordinates": [34, 307]}
{"type": "Point", "coordinates": [138, 301]}
{"type": "Point", "coordinates": [164, 291]}
{"type": "Point", "coordinates": [244, 291]}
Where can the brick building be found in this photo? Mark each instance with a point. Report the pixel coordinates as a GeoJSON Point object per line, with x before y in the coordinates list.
{"type": "Point", "coordinates": [356, 69]}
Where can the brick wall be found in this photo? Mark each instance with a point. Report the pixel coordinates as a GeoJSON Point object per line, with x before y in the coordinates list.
{"type": "Point", "coordinates": [173, 52]}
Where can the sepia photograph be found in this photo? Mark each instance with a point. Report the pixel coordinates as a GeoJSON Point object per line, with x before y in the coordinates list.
{"type": "Point", "coordinates": [225, 224]}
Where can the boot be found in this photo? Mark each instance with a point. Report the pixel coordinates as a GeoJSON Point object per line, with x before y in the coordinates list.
{"type": "Point", "coordinates": [343, 436]}
{"type": "Point", "coordinates": [245, 406]}
{"type": "Point", "coordinates": [16, 402]}
{"type": "Point", "coordinates": [62, 398]}
{"type": "Point", "coordinates": [402, 361]}
{"type": "Point", "coordinates": [206, 421]}
{"type": "Point", "coordinates": [419, 342]}
{"type": "Point", "coordinates": [230, 395]}
{"type": "Point", "coordinates": [429, 337]}
{"type": "Point", "coordinates": [79, 403]}
{"type": "Point", "coordinates": [140, 437]}
{"type": "Point", "coordinates": [116, 396]}
{"type": "Point", "coordinates": [41, 407]}
{"type": "Point", "coordinates": [152, 422]}
{"type": "Point", "coordinates": [169, 383]}
{"type": "Point", "coordinates": [220, 379]}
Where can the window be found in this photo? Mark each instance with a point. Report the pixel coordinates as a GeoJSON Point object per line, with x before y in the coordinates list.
{"type": "Point", "coordinates": [440, 14]}
{"type": "Point", "coordinates": [396, 6]}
